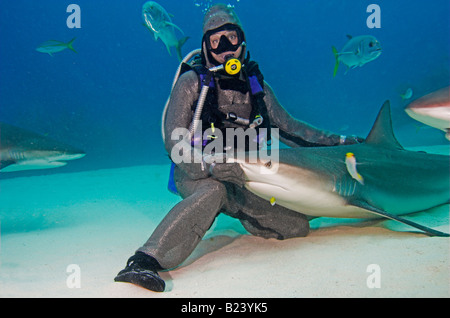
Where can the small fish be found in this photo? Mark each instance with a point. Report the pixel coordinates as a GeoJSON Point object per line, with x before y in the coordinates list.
{"type": "Point", "coordinates": [350, 162]}
{"type": "Point", "coordinates": [159, 23]}
{"type": "Point", "coordinates": [358, 51]}
{"type": "Point", "coordinates": [273, 201]}
{"type": "Point", "coordinates": [53, 46]}
{"type": "Point", "coordinates": [408, 94]}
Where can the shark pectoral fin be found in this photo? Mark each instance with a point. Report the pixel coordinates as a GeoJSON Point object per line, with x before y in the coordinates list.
{"type": "Point", "coordinates": [6, 163]}
{"type": "Point", "coordinates": [426, 230]}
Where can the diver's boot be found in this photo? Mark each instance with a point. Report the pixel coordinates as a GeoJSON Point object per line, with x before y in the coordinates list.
{"type": "Point", "coordinates": [141, 270]}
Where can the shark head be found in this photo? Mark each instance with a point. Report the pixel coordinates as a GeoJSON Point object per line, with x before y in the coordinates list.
{"type": "Point", "coordinates": [24, 150]}
{"type": "Point", "coordinates": [433, 110]}
{"type": "Point", "coordinates": [295, 181]}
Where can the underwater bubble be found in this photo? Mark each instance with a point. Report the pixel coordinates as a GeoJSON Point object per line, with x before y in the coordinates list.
{"type": "Point", "coordinates": [204, 5]}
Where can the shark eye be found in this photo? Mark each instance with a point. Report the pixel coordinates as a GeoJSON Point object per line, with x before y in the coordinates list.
{"type": "Point", "coordinates": [268, 164]}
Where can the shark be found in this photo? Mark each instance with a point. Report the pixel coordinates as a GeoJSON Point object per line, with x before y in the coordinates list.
{"type": "Point", "coordinates": [21, 149]}
{"type": "Point", "coordinates": [433, 110]}
{"type": "Point", "coordinates": [376, 178]}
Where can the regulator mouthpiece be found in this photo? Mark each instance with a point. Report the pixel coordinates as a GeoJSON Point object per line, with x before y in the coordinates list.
{"type": "Point", "coordinates": [232, 65]}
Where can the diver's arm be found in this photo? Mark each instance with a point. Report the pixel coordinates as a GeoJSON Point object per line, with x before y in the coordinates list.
{"type": "Point", "coordinates": [296, 133]}
{"type": "Point", "coordinates": [178, 120]}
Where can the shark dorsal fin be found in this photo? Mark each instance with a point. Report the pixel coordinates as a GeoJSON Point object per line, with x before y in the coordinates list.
{"type": "Point", "coordinates": [382, 133]}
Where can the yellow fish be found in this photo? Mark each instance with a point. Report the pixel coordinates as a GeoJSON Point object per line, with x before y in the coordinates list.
{"type": "Point", "coordinates": [273, 201]}
{"type": "Point", "coordinates": [53, 46]}
{"type": "Point", "coordinates": [350, 162]}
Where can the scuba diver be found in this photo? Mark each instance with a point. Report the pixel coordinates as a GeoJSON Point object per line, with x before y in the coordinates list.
{"type": "Point", "coordinates": [240, 100]}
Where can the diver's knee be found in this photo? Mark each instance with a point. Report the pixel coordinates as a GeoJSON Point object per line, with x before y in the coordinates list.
{"type": "Point", "coordinates": [214, 190]}
{"type": "Point", "coordinates": [301, 231]}
{"type": "Point", "coordinates": [296, 227]}
{"type": "Point", "coordinates": [258, 231]}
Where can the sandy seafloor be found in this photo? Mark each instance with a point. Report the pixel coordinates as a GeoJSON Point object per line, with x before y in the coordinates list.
{"type": "Point", "coordinates": [96, 220]}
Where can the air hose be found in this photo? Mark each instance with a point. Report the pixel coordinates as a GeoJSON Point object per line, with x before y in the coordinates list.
{"type": "Point", "coordinates": [232, 66]}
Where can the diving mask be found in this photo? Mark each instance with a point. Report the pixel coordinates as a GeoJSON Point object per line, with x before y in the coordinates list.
{"type": "Point", "coordinates": [229, 42]}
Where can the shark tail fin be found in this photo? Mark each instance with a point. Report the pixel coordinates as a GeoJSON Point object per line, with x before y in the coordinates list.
{"type": "Point", "coordinates": [336, 55]}
{"type": "Point", "coordinates": [69, 45]}
{"type": "Point", "coordinates": [179, 46]}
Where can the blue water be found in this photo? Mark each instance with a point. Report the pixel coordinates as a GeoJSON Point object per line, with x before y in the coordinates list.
{"type": "Point", "coordinates": [108, 98]}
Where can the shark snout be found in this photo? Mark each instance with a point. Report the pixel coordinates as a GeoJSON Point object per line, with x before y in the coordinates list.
{"type": "Point", "coordinates": [72, 156]}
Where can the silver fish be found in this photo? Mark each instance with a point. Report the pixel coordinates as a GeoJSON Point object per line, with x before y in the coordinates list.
{"type": "Point", "coordinates": [159, 23]}
{"type": "Point", "coordinates": [358, 51]}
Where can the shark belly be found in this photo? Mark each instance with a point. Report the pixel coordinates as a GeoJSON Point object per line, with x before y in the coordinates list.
{"type": "Point", "coordinates": [435, 117]}
{"type": "Point", "coordinates": [310, 201]}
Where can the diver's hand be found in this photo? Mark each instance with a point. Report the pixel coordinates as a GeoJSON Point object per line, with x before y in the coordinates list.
{"type": "Point", "coordinates": [228, 172]}
{"type": "Point", "coordinates": [220, 170]}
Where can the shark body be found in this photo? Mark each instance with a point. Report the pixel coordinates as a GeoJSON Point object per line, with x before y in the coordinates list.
{"type": "Point", "coordinates": [21, 149]}
{"type": "Point", "coordinates": [318, 182]}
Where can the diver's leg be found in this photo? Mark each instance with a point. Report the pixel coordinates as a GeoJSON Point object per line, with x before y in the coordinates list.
{"type": "Point", "coordinates": [178, 234]}
{"type": "Point", "coordinates": [183, 228]}
{"type": "Point", "coordinates": [290, 227]}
